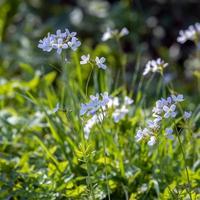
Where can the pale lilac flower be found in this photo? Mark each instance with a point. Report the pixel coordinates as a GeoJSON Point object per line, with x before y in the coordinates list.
{"type": "Point", "coordinates": [170, 111]}
{"type": "Point", "coordinates": [119, 114]}
{"type": "Point", "coordinates": [95, 104]}
{"type": "Point", "coordinates": [114, 33]}
{"type": "Point", "coordinates": [178, 98]}
{"type": "Point", "coordinates": [107, 35]}
{"type": "Point", "coordinates": [142, 134]}
{"type": "Point", "coordinates": [168, 133]}
{"type": "Point", "coordinates": [74, 43]}
{"type": "Point", "coordinates": [91, 122]}
{"type": "Point", "coordinates": [192, 33]}
{"type": "Point", "coordinates": [128, 100]}
{"type": "Point", "coordinates": [59, 41]}
{"type": "Point", "coordinates": [100, 62]}
{"type": "Point", "coordinates": [152, 141]}
{"type": "Point", "coordinates": [114, 102]}
{"type": "Point", "coordinates": [85, 59]}
{"type": "Point", "coordinates": [139, 135]}
{"type": "Point", "coordinates": [153, 124]}
{"type": "Point", "coordinates": [124, 32]}
{"type": "Point", "coordinates": [56, 108]}
{"type": "Point", "coordinates": [154, 66]}
{"type": "Point", "coordinates": [187, 115]}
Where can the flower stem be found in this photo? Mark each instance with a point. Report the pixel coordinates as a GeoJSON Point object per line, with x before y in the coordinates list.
{"type": "Point", "coordinates": [184, 159]}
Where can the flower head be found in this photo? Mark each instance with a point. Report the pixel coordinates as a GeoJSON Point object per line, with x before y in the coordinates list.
{"type": "Point", "coordinates": [59, 41]}
{"type": "Point", "coordinates": [85, 59]}
{"type": "Point", "coordinates": [187, 115]}
{"type": "Point", "coordinates": [100, 62]}
{"type": "Point", "coordinates": [191, 33]}
{"type": "Point", "coordinates": [155, 66]}
{"type": "Point", "coordinates": [168, 133]}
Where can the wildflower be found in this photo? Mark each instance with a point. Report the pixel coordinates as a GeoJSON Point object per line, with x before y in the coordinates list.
{"type": "Point", "coordinates": [114, 33]}
{"type": "Point", "coordinates": [56, 108]}
{"type": "Point", "coordinates": [168, 133]}
{"type": "Point", "coordinates": [95, 104]}
{"type": "Point", "coordinates": [153, 124]}
{"type": "Point", "coordinates": [119, 114]}
{"type": "Point", "coordinates": [155, 66]}
{"type": "Point", "coordinates": [91, 122]}
{"type": "Point", "coordinates": [100, 62]}
{"type": "Point", "coordinates": [170, 111]}
{"type": "Point", "coordinates": [114, 102]}
{"type": "Point", "coordinates": [142, 134]}
{"type": "Point", "coordinates": [59, 41]}
{"type": "Point", "coordinates": [124, 32]}
{"type": "Point", "coordinates": [178, 98]}
{"type": "Point", "coordinates": [192, 33]}
{"type": "Point", "coordinates": [152, 141]}
{"type": "Point", "coordinates": [187, 115]}
{"type": "Point", "coordinates": [85, 59]}
{"type": "Point", "coordinates": [128, 100]}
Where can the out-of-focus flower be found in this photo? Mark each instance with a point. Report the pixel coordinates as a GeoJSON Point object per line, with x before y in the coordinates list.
{"type": "Point", "coordinates": [85, 59]}
{"type": "Point", "coordinates": [192, 33]}
{"type": "Point", "coordinates": [178, 98]}
{"type": "Point", "coordinates": [114, 33]}
{"type": "Point", "coordinates": [187, 115]}
{"type": "Point", "coordinates": [59, 41]}
{"type": "Point", "coordinates": [168, 133]}
{"type": "Point", "coordinates": [155, 66]}
{"type": "Point", "coordinates": [119, 114]}
{"type": "Point", "coordinates": [170, 111]}
{"type": "Point", "coordinates": [100, 62]}
{"type": "Point", "coordinates": [95, 104]}
{"type": "Point", "coordinates": [56, 108]}
{"type": "Point", "coordinates": [152, 141]}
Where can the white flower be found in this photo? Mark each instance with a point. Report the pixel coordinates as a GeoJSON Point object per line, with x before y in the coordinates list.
{"type": "Point", "coordinates": [119, 114]}
{"type": "Point", "coordinates": [154, 66]}
{"type": "Point", "coordinates": [56, 108]}
{"type": "Point", "coordinates": [142, 134]}
{"type": "Point", "coordinates": [139, 135]}
{"type": "Point", "coordinates": [153, 124]}
{"type": "Point", "coordinates": [152, 141]}
{"type": "Point", "coordinates": [95, 104]}
{"type": "Point", "coordinates": [168, 133]}
{"type": "Point", "coordinates": [187, 115]}
{"type": "Point", "coordinates": [128, 100]}
{"type": "Point", "coordinates": [59, 41]}
{"type": "Point", "coordinates": [170, 111]}
{"type": "Point", "coordinates": [114, 102]}
{"type": "Point", "coordinates": [100, 62]}
{"type": "Point", "coordinates": [191, 33]}
{"type": "Point", "coordinates": [91, 122]}
{"type": "Point", "coordinates": [85, 59]}
{"type": "Point", "coordinates": [124, 32]}
{"type": "Point", "coordinates": [178, 98]}
{"type": "Point", "coordinates": [114, 33]}
{"type": "Point", "coordinates": [74, 43]}
{"type": "Point", "coordinates": [107, 35]}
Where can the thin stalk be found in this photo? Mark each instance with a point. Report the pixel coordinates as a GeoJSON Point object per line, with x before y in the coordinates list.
{"type": "Point", "coordinates": [88, 179]}
{"type": "Point", "coordinates": [101, 128]}
{"type": "Point", "coordinates": [184, 159]}
{"type": "Point", "coordinates": [88, 80]}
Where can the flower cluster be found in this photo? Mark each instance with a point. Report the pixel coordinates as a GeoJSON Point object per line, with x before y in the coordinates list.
{"type": "Point", "coordinates": [155, 66]}
{"type": "Point", "coordinates": [114, 33]}
{"type": "Point", "coordinates": [104, 106]}
{"type": "Point", "coordinates": [96, 103]}
{"type": "Point", "coordinates": [100, 62]}
{"type": "Point", "coordinates": [59, 41]}
{"type": "Point", "coordinates": [164, 109]}
{"type": "Point", "coordinates": [192, 33]}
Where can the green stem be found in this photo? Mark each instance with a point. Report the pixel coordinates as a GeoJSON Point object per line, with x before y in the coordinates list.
{"type": "Point", "coordinates": [101, 128]}
{"type": "Point", "coordinates": [184, 159]}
